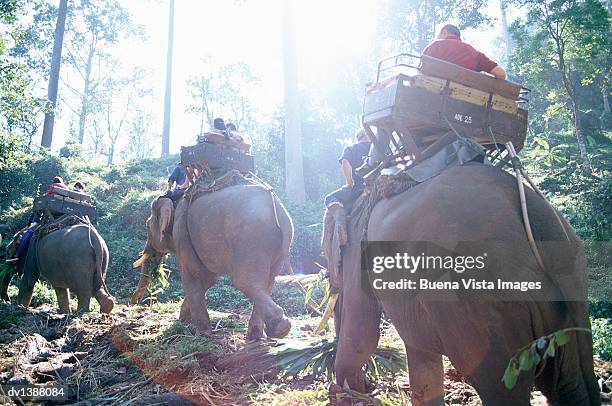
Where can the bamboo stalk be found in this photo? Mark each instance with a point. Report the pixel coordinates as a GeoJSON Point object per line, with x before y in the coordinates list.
{"type": "Point", "coordinates": [329, 310]}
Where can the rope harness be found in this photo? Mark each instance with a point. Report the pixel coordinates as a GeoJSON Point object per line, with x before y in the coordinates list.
{"type": "Point", "coordinates": [209, 183]}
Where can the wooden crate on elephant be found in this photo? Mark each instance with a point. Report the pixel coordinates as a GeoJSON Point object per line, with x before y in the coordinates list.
{"type": "Point", "coordinates": [57, 205]}
{"type": "Point", "coordinates": [228, 138]}
{"type": "Point", "coordinates": [217, 156]}
{"type": "Point", "coordinates": [440, 97]}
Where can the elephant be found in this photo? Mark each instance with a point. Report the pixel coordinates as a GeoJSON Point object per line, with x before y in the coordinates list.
{"type": "Point", "coordinates": [473, 202]}
{"type": "Point", "coordinates": [242, 231]}
{"type": "Point", "coordinates": [73, 258]}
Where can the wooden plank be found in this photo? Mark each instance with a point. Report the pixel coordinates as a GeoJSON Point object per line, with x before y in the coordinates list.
{"type": "Point", "coordinates": [63, 205]}
{"type": "Point", "coordinates": [503, 104]}
{"type": "Point", "coordinates": [71, 194]}
{"type": "Point", "coordinates": [467, 94]}
{"type": "Point", "coordinates": [442, 69]}
{"type": "Point", "coordinates": [235, 140]}
{"type": "Point", "coordinates": [217, 156]}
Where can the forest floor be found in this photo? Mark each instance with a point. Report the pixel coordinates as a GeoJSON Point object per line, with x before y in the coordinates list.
{"type": "Point", "coordinates": [142, 355]}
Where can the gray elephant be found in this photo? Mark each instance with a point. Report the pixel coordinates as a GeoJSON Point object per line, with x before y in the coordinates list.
{"type": "Point", "coordinates": [469, 203]}
{"type": "Point", "coordinates": [74, 259]}
{"type": "Point", "coordinates": [242, 231]}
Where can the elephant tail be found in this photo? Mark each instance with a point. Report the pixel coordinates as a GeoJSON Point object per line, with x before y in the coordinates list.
{"type": "Point", "coordinates": [100, 260]}
{"type": "Point", "coordinates": [285, 225]}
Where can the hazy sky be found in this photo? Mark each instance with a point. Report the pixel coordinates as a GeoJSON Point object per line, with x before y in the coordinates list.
{"type": "Point", "coordinates": [244, 31]}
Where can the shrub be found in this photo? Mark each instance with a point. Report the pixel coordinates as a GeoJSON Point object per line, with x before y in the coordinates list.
{"type": "Point", "coordinates": [9, 316]}
{"type": "Point", "coordinates": [599, 309]}
{"type": "Point", "coordinates": [43, 293]}
{"type": "Point", "coordinates": [292, 300]}
{"type": "Point", "coordinates": [223, 296]}
{"type": "Point", "coordinates": [602, 338]}
{"type": "Point", "coordinates": [71, 150]}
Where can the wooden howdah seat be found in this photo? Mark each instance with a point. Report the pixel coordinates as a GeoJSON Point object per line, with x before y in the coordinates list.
{"type": "Point", "coordinates": [65, 201]}
{"type": "Point", "coordinates": [215, 151]}
{"type": "Point", "coordinates": [413, 111]}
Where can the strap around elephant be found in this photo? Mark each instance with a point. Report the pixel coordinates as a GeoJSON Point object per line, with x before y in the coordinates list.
{"type": "Point", "coordinates": [67, 220]}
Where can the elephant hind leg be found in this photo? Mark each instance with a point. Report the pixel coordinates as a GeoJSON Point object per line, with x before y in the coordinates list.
{"type": "Point", "coordinates": [562, 380]}
{"type": "Point", "coordinates": [257, 288]}
{"type": "Point", "coordinates": [256, 325]}
{"type": "Point", "coordinates": [63, 300]}
{"type": "Point", "coordinates": [84, 300]}
{"type": "Point", "coordinates": [487, 380]}
{"type": "Point", "coordinates": [426, 374]}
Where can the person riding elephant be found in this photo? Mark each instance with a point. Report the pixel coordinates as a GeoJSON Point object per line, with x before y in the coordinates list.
{"type": "Point", "coordinates": [352, 158]}
{"type": "Point", "coordinates": [471, 203]}
{"type": "Point", "coordinates": [179, 179]}
{"type": "Point", "coordinates": [243, 231]}
{"type": "Point", "coordinates": [58, 182]}
{"type": "Point", "coordinates": [74, 258]}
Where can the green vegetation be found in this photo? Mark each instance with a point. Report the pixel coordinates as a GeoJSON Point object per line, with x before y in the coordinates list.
{"type": "Point", "coordinates": [560, 49]}
{"type": "Point", "coordinates": [9, 316]}
{"type": "Point", "coordinates": [123, 195]}
{"type": "Point", "coordinates": [602, 338]}
{"type": "Point", "coordinates": [180, 345]}
{"type": "Point", "coordinates": [529, 356]}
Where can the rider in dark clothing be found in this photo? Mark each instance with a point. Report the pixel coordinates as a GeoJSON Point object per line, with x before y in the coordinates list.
{"type": "Point", "coordinates": [352, 158]}
{"type": "Point", "coordinates": [179, 180]}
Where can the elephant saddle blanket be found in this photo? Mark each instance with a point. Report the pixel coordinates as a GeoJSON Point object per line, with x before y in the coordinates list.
{"type": "Point", "coordinates": [213, 182]}
{"type": "Point", "coordinates": [67, 220]}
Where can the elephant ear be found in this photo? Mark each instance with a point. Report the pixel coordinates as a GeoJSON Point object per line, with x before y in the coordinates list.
{"type": "Point", "coordinates": [334, 235]}
{"type": "Point", "coordinates": [160, 221]}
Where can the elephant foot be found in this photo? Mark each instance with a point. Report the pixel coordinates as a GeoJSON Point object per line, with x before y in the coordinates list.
{"type": "Point", "coordinates": [254, 335]}
{"type": "Point", "coordinates": [106, 305]}
{"type": "Point", "coordinates": [337, 396]}
{"type": "Point", "coordinates": [340, 397]}
{"type": "Point", "coordinates": [278, 328]}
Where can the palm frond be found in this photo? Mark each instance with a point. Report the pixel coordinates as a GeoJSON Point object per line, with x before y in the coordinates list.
{"type": "Point", "coordinates": [291, 359]}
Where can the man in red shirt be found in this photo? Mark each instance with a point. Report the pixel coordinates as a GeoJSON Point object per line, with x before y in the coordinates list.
{"type": "Point", "coordinates": [57, 182]}
{"type": "Point", "coordinates": [449, 47]}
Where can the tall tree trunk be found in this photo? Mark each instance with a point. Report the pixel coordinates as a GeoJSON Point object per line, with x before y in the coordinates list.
{"type": "Point", "coordinates": [586, 164]}
{"type": "Point", "coordinates": [569, 88]}
{"type": "Point", "coordinates": [202, 119]}
{"type": "Point", "coordinates": [606, 106]}
{"type": "Point", "coordinates": [56, 61]}
{"type": "Point", "coordinates": [85, 97]}
{"type": "Point", "coordinates": [168, 95]}
{"type": "Point", "coordinates": [294, 166]}
{"type": "Point", "coordinates": [111, 154]}
{"type": "Point", "coordinates": [506, 32]}
{"type": "Point", "coordinates": [421, 42]}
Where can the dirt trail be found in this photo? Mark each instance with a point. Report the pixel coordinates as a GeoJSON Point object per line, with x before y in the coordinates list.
{"type": "Point", "coordinates": [143, 355]}
{"type": "Point", "coordinates": [134, 355]}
